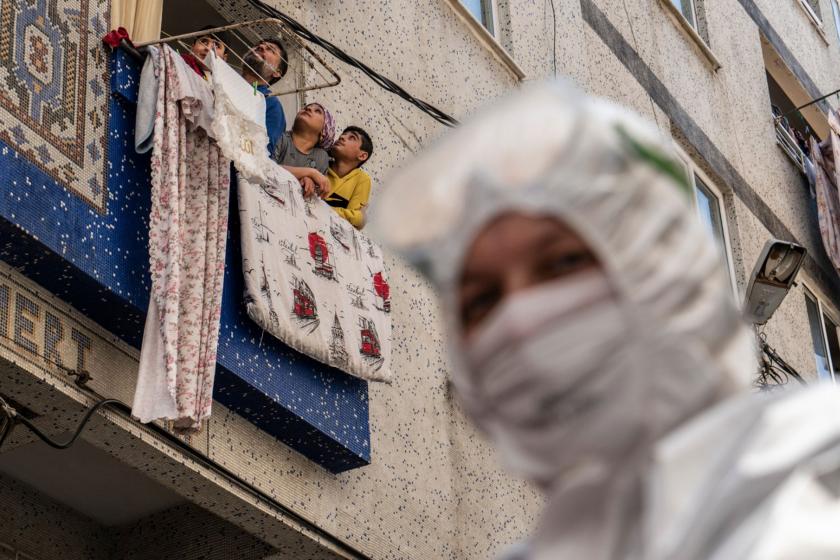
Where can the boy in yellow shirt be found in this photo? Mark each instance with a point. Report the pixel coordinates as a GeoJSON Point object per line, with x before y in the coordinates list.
{"type": "Point", "coordinates": [349, 185]}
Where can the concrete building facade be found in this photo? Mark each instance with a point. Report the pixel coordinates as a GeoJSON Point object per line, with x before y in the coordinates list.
{"type": "Point", "coordinates": [299, 461]}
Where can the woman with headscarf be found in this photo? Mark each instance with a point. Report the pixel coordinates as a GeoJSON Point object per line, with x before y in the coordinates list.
{"type": "Point", "coordinates": [596, 343]}
{"type": "Point", "coordinates": [303, 151]}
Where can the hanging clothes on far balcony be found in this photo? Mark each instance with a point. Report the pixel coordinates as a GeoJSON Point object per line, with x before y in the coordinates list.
{"type": "Point", "coordinates": [825, 158]}
{"type": "Point", "coordinates": [187, 234]}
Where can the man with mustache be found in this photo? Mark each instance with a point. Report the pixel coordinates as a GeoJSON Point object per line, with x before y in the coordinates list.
{"type": "Point", "coordinates": [267, 61]}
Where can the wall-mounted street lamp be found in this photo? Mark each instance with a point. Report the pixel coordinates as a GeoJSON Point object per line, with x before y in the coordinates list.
{"type": "Point", "coordinates": [771, 279]}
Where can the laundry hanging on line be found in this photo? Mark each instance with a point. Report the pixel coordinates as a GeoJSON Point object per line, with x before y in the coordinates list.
{"type": "Point", "coordinates": [239, 122]}
{"type": "Point", "coordinates": [826, 184]}
{"type": "Point", "coordinates": [195, 130]}
{"type": "Point", "coordinates": [190, 185]}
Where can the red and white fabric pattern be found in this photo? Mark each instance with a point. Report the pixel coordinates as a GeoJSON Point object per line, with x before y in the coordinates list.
{"type": "Point", "coordinates": [313, 281]}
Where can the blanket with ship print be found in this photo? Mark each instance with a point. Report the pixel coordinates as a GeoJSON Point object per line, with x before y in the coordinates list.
{"type": "Point", "coordinates": [312, 280]}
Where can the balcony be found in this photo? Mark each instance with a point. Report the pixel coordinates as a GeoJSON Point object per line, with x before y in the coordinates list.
{"type": "Point", "coordinates": [786, 140]}
{"type": "Point", "coordinates": [91, 251]}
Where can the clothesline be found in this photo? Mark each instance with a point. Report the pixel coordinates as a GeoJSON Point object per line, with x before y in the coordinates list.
{"type": "Point", "coordinates": [252, 26]}
{"type": "Point", "coordinates": [390, 116]}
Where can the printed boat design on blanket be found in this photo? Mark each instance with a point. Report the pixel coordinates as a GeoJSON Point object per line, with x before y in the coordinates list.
{"type": "Point", "coordinates": [314, 281]}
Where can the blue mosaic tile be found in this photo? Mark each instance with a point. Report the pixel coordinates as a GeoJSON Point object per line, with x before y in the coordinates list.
{"type": "Point", "coordinates": [48, 61]}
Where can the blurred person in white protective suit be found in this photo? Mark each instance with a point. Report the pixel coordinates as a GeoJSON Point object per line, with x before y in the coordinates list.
{"type": "Point", "coordinates": [596, 343]}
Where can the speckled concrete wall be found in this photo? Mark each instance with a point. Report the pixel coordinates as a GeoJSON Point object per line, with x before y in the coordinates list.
{"type": "Point", "coordinates": [185, 532]}
{"type": "Point", "coordinates": [37, 527]}
{"type": "Point", "coordinates": [433, 489]}
{"type": "Point", "coordinates": [41, 528]}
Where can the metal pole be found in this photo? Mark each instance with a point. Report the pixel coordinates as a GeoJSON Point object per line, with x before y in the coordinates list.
{"type": "Point", "coordinates": [336, 78]}
{"type": "Point", "coordinates": [817, 100]}
{"type": "Point", "coordinates": [208, 31]}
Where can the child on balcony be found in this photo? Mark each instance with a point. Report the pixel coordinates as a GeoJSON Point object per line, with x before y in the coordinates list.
{"type": "Point", "coordinates": [303, 150]}
{"type": "Point", "coordinates": [201, 48]}
{"type": "Point", "coordinates": [349, 184]}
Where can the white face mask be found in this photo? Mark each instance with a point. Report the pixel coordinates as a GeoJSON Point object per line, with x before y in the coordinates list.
{"type": "Point", "coordinates": [558, 379]}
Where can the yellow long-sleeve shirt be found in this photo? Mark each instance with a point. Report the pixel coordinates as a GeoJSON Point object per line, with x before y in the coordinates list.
{"type": "Point", "coordinates": [349, 195]}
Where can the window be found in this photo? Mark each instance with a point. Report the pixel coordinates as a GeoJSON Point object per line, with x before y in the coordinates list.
{"type": "Point", "coordinates": [709, 206]}
{"type": "Point", "coordinates": [824, 337]}
{"type": "Point", "coordinates": [483, 11]}
{"type": "Point", "coordinates": [835, 10]}
{"type": "Point", "coordinates": [708, 202]}
{"type": "Point", "coordinates": [690, 15]}
{"type": "Point", "coordinates": [686, 8]}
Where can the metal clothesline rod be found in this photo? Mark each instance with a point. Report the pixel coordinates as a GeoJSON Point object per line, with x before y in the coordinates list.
{"type": "Point", "coordinates": [817, 100]}
{"type": "Point", "coordinates": [336, 78]}
{"type": "Point", "coordinates": [233, 26]}
{"type": "Point", "coordinates": [203, 32]}
{"type": "Point", "coordinates": [289, 34]}
{"type": "Point", "coordinates": [235, 34]}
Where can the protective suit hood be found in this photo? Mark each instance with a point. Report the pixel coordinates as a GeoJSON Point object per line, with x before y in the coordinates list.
{"type": "Point", "coordinates": [680, 348]}
{"type": "Point", "coordinates": [551, 151]}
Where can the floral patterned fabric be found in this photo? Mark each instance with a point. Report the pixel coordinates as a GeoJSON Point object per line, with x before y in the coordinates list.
{"type": "Point", "coordinates": [827, 180]}
{"type": "Point", "coordinates": [312, 280]}
{"type": "Point", "coordinates": [187, 235]}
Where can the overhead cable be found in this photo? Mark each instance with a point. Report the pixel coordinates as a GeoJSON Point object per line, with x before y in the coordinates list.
{"type": "Point", "coordinates": [11, 418]}
{"type": "Point", "coordinates": [350, 60]}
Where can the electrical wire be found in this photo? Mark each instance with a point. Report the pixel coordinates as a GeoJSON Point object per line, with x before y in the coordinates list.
{"type": "Point", "coordinates": [335, 51]}
{"type": "Point", "coordinates": [774, 371]}
{"type": "Point", "coordinates": [17, 418]}
{"type": "Point", "coordinates": [554, 34]}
